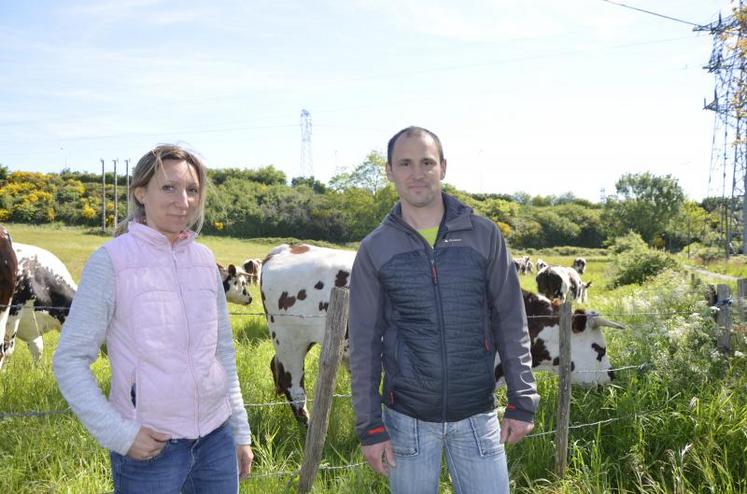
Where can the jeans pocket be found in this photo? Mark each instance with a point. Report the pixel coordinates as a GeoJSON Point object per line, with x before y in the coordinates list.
{"type": "Point", "coordinates": [403, 432]}
{"type": "Point", "coordinates": [487, 433]}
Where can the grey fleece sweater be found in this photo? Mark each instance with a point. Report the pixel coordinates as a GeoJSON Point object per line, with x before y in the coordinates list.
{"type": "Point", "coordinates": [83, 334]}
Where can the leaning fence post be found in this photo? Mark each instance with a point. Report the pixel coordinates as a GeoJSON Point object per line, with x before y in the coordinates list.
{"type": "Point", "coordinates": [329, 359]}
{"type": "Point", "coordinates": [741, 295]}
{"type": "Point", "coordinates": [564, 390]}
{"type": "Point", "coordinates": [723, 301]}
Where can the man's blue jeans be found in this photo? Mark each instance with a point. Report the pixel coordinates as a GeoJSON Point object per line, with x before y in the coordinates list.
{"type": "Point", "coordinates": [474, 454]}
{"type": "Point", "coordinates": [207, 465]}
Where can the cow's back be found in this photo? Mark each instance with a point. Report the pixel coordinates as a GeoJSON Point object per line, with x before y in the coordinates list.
{"type": "Point", "coordinates": [297, 280]}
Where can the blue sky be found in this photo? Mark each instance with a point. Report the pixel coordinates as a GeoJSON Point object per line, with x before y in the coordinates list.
{"type": "Point", "coordinates": [540, 96]}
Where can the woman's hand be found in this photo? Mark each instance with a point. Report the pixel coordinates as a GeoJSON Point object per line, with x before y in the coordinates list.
{"type": "Point", "coordinates": [148, 443]}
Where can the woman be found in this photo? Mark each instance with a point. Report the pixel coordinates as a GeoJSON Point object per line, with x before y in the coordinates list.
{"type": "Point", "coordinates": [175, 420]}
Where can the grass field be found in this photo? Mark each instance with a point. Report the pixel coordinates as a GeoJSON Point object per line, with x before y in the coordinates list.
{"type": "Point", "coordinates": [676, 425]}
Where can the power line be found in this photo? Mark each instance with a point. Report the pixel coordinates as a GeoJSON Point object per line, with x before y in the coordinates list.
{"type": "Point", "coordinates": [652, 13]}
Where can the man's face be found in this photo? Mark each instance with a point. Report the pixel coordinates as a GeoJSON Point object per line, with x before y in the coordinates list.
{"type": "Point", "coordinates": [416, 170]}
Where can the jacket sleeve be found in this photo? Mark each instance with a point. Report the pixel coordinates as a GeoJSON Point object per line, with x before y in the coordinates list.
{"type": "Point", "coordinates": [366, 328]}
{"type": "Point", "coordinates": [226, 355]}
{"type": "Point", "coordinates": [83, 333]}
{"type": "Point", "coordinates": [511, 332]}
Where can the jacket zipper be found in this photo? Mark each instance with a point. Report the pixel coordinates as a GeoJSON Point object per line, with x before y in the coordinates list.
{"type": "Point", "coordinates": [439, 310]}
{"type": "Point", "coordinates": [189, 344]}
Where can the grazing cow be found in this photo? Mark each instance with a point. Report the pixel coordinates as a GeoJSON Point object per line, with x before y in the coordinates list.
{"type": "Point", "coordinates": [8, 272]}
{"type": "Point", "coordinates": [296, 283]}
{"type": "Point", "coordinates": [523, 265]}
{"type": "Point", "coordinates": [590, 364]}
{"type": "Point", "coordinates": [253, 267]}
{"type": "Point", "coordinates": [579, 264]}
{"type": "Point", "coordinates": [561, 283]}
{"type": "Point", "coordinates": [235, 285]}
{"type": "Point", "coordinates": [42, 298]}
{"type": "Point", "coordinates": [540, 265]}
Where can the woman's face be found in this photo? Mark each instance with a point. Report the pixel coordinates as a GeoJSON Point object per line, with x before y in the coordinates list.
{"type": "Point", "coordinates": [171, 198]}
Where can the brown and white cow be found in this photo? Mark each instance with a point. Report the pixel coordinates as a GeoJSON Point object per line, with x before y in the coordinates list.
{"type": "Point", "coordinates": [590, 364]}
{"type": "Point", "coordinates": [296, 283]}
{"type": "Point", "coordinates": [43, 294]}
{"type": "Point", "coordinates": [253, 267]}
{"type": "Point", "coordinates": [8, 272]}
{"type": "Point", "coordinates": [235, 284]}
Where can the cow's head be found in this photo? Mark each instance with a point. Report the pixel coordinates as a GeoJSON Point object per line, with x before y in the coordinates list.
{"type": "Point", "coordinates": [235, 284]}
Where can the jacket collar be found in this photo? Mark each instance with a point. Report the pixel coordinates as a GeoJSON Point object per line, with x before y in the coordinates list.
{"type": "Point", "coordinates": [457, 215]}
{"type": "Point", "coordinates": [155, 238]}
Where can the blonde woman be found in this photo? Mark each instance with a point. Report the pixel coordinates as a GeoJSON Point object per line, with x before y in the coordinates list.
{"type": "Point", "coordinates": [175, 419]}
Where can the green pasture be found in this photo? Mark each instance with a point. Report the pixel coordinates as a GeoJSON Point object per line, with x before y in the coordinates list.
{"type": "Point", "coordinates": [676, 423]}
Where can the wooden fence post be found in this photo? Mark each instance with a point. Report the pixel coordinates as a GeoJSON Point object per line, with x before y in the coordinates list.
{"type": "Point", "coordinates": [564, 391]}
{"type": "Point", "coordinates": [329, 360]}
{"type": "Point", "coordinates": [741, 295]}
{"type": "Point", "coordinates": [723, 338]}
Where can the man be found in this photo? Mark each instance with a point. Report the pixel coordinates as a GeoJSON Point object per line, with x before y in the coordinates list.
{"type": "Point", "coordinates": [433, 296]}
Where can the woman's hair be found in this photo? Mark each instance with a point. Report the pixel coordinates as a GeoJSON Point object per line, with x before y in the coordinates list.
{"type": "Point", "coordinates": [148, 165]}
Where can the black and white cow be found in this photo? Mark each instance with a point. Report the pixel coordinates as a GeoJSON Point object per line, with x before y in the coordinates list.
{"type": "Point", "coordinates": [235, 284]}
{"type": "Point", "coordinates": [296, 283]}
{"type": "Point", "coordinates": [579, 264]}
{"type": "Point", "coordinates": [8, 273]}
{"type": "Point", "coordinates": [42, 297]}
{"type": "Point", "coordinates": [562, 283]}
{"type": "Point", "coordinates": [540, 264]}
{"type": "Point", "coordinates": [590, 364]}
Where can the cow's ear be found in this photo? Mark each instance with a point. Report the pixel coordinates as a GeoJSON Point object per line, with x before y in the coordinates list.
{"type": "Point", "coordinates": [231, 270]}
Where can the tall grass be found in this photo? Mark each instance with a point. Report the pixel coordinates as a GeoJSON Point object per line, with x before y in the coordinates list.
{"type": "Point", "coordinates": [677, 425]}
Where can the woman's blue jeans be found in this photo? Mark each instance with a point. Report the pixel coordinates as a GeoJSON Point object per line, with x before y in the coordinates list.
{"type": "Point", "coordinates": [207, 465]}
{"type": "Point", "coordinates": [474, 454]}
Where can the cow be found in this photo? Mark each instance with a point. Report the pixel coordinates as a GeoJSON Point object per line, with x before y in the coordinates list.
{"type": "Point", "coordinates": [295, 284]}
{"type": "Point", "coordinates": [43, 294]}
{"type": "Point", "coordinates": [562, 283]}
{"type": "Point", "coordinates": [523, 265]}
{"type": "Point", "coordinates": [590, 364]}
{"type": "Point", "coordinates": [8, 273]}
{"type": "Point", "coordinates": [253, 267]}
{"type": "Point", "coordinates": [235, 285]}
{"type": "Point", "coordinates": [579, 264]}
{"type": "Point", "coordinates": [540, 265]}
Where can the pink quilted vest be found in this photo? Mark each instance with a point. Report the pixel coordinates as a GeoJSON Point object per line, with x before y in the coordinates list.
{"type": "Point", "coordinates": [163, 336]}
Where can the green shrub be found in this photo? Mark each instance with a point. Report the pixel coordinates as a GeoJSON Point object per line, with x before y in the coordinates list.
{"type": "Point", "coordinates": [638, 264]}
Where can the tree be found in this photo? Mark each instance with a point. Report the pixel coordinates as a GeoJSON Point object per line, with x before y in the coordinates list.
{"type": "Point", "coordinates": [369, 175]}
{"type": "Point", "coordinates": [644, 203]}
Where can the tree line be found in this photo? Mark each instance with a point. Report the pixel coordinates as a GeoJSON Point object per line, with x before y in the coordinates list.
{"type": "Point", "coordinates": [262, 202]}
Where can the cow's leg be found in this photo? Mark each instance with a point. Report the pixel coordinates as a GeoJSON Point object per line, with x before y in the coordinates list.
{"type": "Point", "coordinates": [10, 335]}
{"type": "Point", "coordinates": [288, 373]}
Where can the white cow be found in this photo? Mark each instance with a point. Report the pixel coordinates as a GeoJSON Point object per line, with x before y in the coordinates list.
{"type": "Point", "coordinates": [296, 283]}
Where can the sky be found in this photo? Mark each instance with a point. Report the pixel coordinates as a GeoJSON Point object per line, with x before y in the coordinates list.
{"type": "Point", "coordinates": [537, 96]}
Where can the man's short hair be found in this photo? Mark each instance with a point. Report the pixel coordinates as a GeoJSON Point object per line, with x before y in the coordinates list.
{"type": "Point", "coordinates": [409, 132]}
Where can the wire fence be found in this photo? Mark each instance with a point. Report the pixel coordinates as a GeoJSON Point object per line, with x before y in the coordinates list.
{"type": "Point", "coordinates": [291, 474]}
